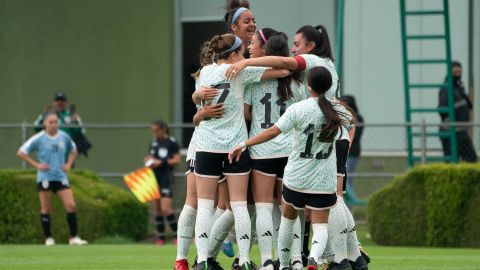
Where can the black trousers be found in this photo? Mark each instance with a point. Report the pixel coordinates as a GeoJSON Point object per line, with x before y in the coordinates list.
{"type": "Point", "coordinates": [465, 148]}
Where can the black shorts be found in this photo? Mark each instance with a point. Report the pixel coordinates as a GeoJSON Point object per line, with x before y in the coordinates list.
{"type": "Point", "coordinates": [341, 147]}
{"type": "Point", "coordinates": [191, 169]}
{"type": "Point", "coordinates": [273, 167]}
{"type": "Point", "coordinates": [165, 184]}
{"type": "Point", "coordinates": [53, 186]}
{"type": "Point", "coordinates": [214, 165]}
{"type": "Point", "coordinates": [300, 200]}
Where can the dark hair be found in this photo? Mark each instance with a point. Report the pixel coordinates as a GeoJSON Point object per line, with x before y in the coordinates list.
{"type": "Point", "coordinates": [214, 49]}
{"type": "Point", "coordinates": [48, 114]}
{"type": "Point", "coordinates": [319, 36]}
{"type": "Point", "coordinates": [203, 57]}
{"type": "Point", "coordinates": [349, 103]}
{"type": "Point", "coordinates": [277, 45]}
{"type": "Point", "coordinates": [162, 125]}
{"type": "Point", "coordinates": [320, 80]}
{"type": "Point", "coordinates": [231, 7]}
{"type": "Point", "coordinates": [456, 64]}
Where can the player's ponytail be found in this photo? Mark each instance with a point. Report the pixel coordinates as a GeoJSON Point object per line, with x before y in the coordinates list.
{"type": "Point", "coordinates": [276, 44]}
{"type": "Point", "coordinates": [219, 47]}
{"type": "Point", "coordinates": [231, 8]}
{"type": "Point", "coordinates": [320, 80]}
{"type": "Point", "coordinates": [319, 36]}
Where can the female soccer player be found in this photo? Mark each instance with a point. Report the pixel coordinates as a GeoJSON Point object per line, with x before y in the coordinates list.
{"type": "Point", "coordinates": [240, 21]}
{"type": "Point", "coordinates": [346, 252]}
{"type": "Point", "coordinates": [310, 175]}
{"type": "Point", "coordinates": [52, 147]}
{"type": "Point", "coordinates": [265, 102]}
{"type": "Point", "coordinates": [186, 220]}
{"type": "Point", "coordinates": [216, 136]}
{"type": "Point", "coordinates": [163, 156]}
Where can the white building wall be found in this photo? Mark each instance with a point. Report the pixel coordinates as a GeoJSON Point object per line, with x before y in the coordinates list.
{"type": "Point", "coordinates": [373, 58]}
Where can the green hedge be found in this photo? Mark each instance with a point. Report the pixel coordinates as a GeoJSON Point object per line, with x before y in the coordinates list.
{"type": "Point", "coordinates": [431, 205]}
{"type": "Point", "coordinates": [102, 209]}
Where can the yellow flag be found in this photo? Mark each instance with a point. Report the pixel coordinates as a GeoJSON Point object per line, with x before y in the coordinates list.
{"type": "Point", "coordinates": [143, 184]}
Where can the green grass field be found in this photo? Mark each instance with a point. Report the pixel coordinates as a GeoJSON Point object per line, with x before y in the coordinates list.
{"type": "Point", "coordinates": [143, 256]}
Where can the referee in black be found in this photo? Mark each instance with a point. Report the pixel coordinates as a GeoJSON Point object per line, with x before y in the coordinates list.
{"type": "Point", "coordinates": [163, 157]}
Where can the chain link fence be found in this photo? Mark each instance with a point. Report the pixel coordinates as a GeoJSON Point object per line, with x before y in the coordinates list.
{"type": "Point", "coordinates": [120, 148]}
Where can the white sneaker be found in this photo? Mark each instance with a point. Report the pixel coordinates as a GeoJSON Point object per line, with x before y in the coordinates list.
{"type": "Point", "coordinates": [49, 242]}
{"type": "Point", "coordinates": [77, 241]}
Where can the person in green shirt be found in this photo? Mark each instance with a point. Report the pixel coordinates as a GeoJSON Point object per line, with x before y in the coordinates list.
{"type": "Point", "coordinates": [68, 120]}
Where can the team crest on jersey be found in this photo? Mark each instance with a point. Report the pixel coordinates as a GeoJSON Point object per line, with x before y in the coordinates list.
{"type": "Point", "coordinates": [62, 145]}
{"type": "Point", "coordinates": [163, 152]}
{"type": "Point", "coordinates": [45, 184]}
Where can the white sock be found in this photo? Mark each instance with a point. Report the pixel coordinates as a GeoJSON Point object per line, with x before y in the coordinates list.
{"type": "Point", "coordinates": [285, 240]}
{"type": "Point", "coordinates": [202, 227]}
{"type": "Point", "coordinates": [337, 231]}
{"type": "Point", "coordinates": [319, 240]}
{"type": "Point", "coordinates": [243, 229]}
{"type": "Point", "coordinates": [264, 226]}
{"type": "Point", "coordinates": [276, 216]}
{"type": "Point", "coordinates": [297, 240]}
{"type": "Point", "coordinates": [186, 225]}
{"type": "Point", "coordinates": [353, 247]}
{"type": "Point", "coordinates": [227, 238]}
{"type": "Point", "coordinates": [217, 214]}
{"type": "Point", "coordinates": [218, 233]}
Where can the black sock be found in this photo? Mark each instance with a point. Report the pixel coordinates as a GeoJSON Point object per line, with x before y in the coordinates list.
{"type": "Point", "coordinates": [160, 224]}
{"type": "Point", "coordinates": [45, 220]}
{"type": "Point", "coordinates": [306, 238]}
{"type": "Point", "coordinates": [172, 222]}
{"type": "Point", "coordinates": [72, 223]}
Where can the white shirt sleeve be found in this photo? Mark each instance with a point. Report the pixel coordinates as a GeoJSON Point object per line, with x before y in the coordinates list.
{"type": "Point", "coordinates": [287, 120]}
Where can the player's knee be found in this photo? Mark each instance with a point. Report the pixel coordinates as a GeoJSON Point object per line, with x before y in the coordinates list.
{"type": "Point", "coordinates": [191, 201]}
{"type": "Point", "coordinates": [71, 207]}
{"type": "Point", "coordinates": [167, 211]}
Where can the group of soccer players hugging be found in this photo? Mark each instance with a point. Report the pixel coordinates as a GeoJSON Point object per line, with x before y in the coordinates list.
{"type": "Point", "coordinates": [268, 125]}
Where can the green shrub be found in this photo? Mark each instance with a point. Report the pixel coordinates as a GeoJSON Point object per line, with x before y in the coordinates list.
{"type": "Point", "coordinates": [103, 209]}
{"type": "Point", "coordinates": [431, 205]}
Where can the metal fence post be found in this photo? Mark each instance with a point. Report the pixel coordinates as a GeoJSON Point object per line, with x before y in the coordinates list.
{"type": "Point", "coordinates": [424, 141]}
{"type": "Point", "coordinates": [23, 127]}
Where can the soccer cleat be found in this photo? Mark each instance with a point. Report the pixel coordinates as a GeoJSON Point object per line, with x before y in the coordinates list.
{"type": "Point", "coordinates": [160, 242]}
{"type": "Point", "coordinates": [77, 241]}
{"type": "Point", "coordinates": [235, 265]}
{"type": "Point", "coordinates": [304, 259]}
{"type": "Point", "coordinates": [365, 256]}
{"type": "Point", "coordinates": [359, 264]}
{"type": "Point", "coordinates": [213, 264]}
{"type": "Point", "coordinates": [276, 264]}
{"type": "Point", "coordinates": [248, 266]}
{"type": "Point", "coordinates": [49, 242]}
{"type": "Point", "coordinates": [296, 265]}
{"type": "Point", "coordinates": [201, 266]}
{"type": "Point", "coordinates": [181, 265]}
{"type": "Point", "coordinates": [312, 264]}
{"type": "Point", "coordinates": [343, 265]}
{"type": "Point", "coordinates": [267, 265]}
{"type": "Point", "coordinates": [227, 249]}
